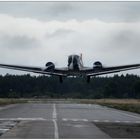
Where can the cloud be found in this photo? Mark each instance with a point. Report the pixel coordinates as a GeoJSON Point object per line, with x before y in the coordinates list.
{"type": "Point", "coordinates": [59, 33]}
{"type": "Point", "coordinates": [29, 41]}
{"type": "Point", "coordinates": [105, 11]}
{"type": "Point", "coordinates": [18, 42]}
{"type": "Point", "coordinates": [61, 8]}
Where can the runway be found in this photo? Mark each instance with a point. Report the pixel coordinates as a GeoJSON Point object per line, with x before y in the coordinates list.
{"type": "Point", "coordinates": [53, 120]}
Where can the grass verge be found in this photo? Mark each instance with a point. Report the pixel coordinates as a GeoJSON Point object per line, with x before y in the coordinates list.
{"type": "Point", "coordinates": [132, 105]}
{"type": "Point", "coordinates": [7, 101]}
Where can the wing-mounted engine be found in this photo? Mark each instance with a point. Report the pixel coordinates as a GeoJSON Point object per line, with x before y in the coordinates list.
{"type": "Point", "coordinates": [49, 66]}
{"type": "Point", "coordinates": [97, 65]}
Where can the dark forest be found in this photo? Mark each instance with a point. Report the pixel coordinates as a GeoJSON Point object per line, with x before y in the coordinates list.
{"type": "Point", "coordinates": [27, 86]}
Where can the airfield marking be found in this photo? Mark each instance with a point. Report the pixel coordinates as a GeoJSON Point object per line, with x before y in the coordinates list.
{"type": "Point", "coordinates": [96, 120]}
{"type": "Point", "coordinates": [127, 121]}
{"type": "Point", "coordinates": [54, 115]}
{"type": "Point", "coordinates": [54, 112]}
{"type": "Point", "coordinates": [3, 130]}
{"type": "Point", "coordinates": [22, 119]}
{"type": "Point", "coordinates": [117, 121]}
{"type": "Point", "coordinates": [65, 119]}
{"type": "Point", "coordinates": [106, 121]}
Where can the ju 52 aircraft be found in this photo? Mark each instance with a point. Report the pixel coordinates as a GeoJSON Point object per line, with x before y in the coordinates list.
{"type": "Point", "coordinates": [75, 67]}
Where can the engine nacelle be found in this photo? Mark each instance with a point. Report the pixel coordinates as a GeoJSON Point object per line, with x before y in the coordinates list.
{"type": "Point", "coordinates": [49, 66]}
{"type": "Point", "coordinates": [97, 65]}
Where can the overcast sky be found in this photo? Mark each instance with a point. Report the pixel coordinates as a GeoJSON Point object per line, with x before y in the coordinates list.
{"type": "Point", "coordinates": [33, 33]}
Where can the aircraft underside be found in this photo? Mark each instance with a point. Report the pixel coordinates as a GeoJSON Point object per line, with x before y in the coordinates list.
{"type": "Point", "coordinates": [75, 68]}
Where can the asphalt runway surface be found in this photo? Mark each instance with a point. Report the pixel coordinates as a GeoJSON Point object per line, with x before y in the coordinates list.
{"type": "Point", "coordinates": [52, 120]}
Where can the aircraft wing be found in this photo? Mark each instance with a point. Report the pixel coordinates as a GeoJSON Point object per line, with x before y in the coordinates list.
{"type": "Point", "coordinates": [57, 72]}
{"type": "Point", "coordinates": [114, 69]}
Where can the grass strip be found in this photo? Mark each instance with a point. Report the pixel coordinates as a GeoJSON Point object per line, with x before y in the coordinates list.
{"type": "Point", "coordinates": [132, 105]}
{"type": "Point", "coordinates": [6, 101]}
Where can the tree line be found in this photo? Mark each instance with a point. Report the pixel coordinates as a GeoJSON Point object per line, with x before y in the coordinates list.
{"type": "Point", "coordinates": [27, 86]}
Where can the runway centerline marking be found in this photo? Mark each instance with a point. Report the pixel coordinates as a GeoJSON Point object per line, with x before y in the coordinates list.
{"type": "Point", "coordinates": [54, 112]}
{"type": "Point", "coordinates": [54, 116]}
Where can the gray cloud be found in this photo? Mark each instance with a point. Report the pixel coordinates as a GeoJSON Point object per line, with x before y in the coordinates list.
{"type": "Point", "coordinates": [18, 42]}
{"type": "Point", "coordinates": [125, 40]}
{"type": "Point", "coordinates": [61, 8]}
{"type": "Point", "coordinates": [59, 33]}
{"type": "Point", "coordinates": [107, 11]}
{"type": "Point", "coordinates": [32, 33]}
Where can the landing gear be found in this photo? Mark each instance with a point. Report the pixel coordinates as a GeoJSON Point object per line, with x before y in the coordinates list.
{"type": "Point", "coordinates": [88, 79]}
{"type": "Point", "coordinates": [60, 79]}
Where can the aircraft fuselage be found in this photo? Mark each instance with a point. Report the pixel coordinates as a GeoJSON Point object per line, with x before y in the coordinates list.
{"type": "Point", "coordinates": [75, 63]}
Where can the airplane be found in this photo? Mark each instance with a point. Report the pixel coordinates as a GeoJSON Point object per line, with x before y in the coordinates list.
{"type": "Point", "coordinates": [75, 68]}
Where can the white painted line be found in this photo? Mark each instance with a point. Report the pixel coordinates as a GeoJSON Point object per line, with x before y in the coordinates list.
{"type": "Point", "coordinates": [64, 119]}
{"type": "Point", "coordinates": [31, 119]}
{"type": "Point", "coordinates": [3, 130]}
{"type": "Point", "coordinates": [75, 120]}
{"type": "Point", "coordinates": [96, 120]}
{"type": "Point", "coordinates": [106, 121]}
{"type": "Point", "coordinates": [56, 134]}
{"type": "Point", "coordinates": [117, 121]}
{"type": "Point", "coordinates": [54, 115]}
{"type": "Point", "coordinates": [126, 121]}
{"type": "Point", "coordinates": [54, 112]}
{"type": "Point", "coordinates": [22, 119]}
{"type": "Point", "coordinates": [85, 120]}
